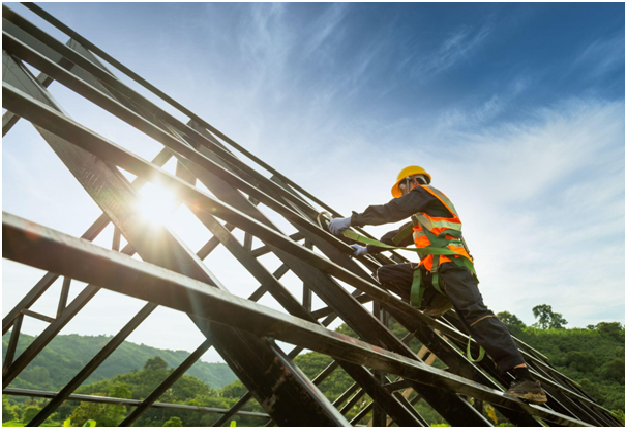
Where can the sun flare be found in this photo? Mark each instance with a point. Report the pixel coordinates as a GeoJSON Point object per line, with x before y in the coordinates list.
{"type": "Point", "coordinates": [156, 204]}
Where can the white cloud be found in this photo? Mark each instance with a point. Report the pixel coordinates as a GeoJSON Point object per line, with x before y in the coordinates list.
{"type": "Point", "coordinates": [542, 201]}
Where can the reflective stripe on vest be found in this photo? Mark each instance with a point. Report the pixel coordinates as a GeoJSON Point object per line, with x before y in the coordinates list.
{"type": "Point", "coordinates": [444, 232]}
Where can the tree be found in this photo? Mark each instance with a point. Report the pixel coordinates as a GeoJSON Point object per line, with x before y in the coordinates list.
{"type": "Point", "coordinates": [579, 361]}
{"type": "Point", "coordinates": [120, 391]}
{"type": "Point", "coordinates": [233, 390]}
{"type": "Point", "coordinates": [615, 369]}
{"type": "Point", "coordinates": [104, 415]}
{"type": "Point", "coordinates": [613, 330]}
{"type": "Point", "coordinates": [174, 422]}
{"type": "Point", "coordinates": [29, 413]}
{"type": "Point", "coordinates": [155, 363]}
{"type": "Point", "coordinates": [514, 324]}
{"type": "Point", "coordinates": [37, 375]}
{"type": "Point", "coordinates": [8, 411]}
{"type": "Point", "coordinates": [547, 317]}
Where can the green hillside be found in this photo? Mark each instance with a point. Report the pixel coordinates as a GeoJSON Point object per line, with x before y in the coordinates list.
{"type": "Point", "coordinates": [593, 356]}
{"type": "Point", "coordinates": [137, 384]}
{"type": "Point", "coordinates": [66, 355]}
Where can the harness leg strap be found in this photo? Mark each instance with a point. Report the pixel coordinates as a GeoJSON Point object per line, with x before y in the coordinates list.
{"type": "Point", "coordinates": [435, 271]}
{"type": "Point", "coordinates": [416, 294]}
{"type": "Point", "coordinates": [470, 356]}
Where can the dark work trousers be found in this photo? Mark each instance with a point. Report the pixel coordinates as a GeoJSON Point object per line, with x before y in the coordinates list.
{"type": "Point", "coordinates": [462, 289]}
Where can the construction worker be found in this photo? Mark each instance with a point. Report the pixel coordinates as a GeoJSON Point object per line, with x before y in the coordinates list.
{"type": "Point", "coordinates": [435, 224]}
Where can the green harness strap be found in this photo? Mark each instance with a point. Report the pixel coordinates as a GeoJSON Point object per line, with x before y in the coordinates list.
{"type": "Point", "coordinates": [416, 293]}
{"type": "Point", "coordinates": [462, 261]}
{"type": "Point", "coordinates": [470, 357]}
{"type": "Point", "coordinates": [427, 250]}
{"type": "Point", "coordinates": [418, 288]}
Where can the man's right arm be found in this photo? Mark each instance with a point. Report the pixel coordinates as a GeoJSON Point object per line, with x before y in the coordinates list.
{"type": "Point", "coordinates": [417, 200]}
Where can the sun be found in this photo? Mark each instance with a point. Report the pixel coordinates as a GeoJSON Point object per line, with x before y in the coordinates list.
{"type": "Point", "coordinates": [156, 204]}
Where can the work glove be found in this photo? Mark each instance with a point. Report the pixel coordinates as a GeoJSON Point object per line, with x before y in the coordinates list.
{"type": "Point", "coordinates": [336, 226]}
{"type": "Point", "coordinates": [359, 250]}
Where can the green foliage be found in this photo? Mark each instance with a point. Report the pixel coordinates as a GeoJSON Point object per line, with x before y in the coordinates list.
{"type": "Point", "coordinates": [174, 422]}
{"type": "Point", "coordinates": [8, 411]}
{"type": "Point", "coordinates": [515, 326]}
{"type": "Point", "coordinates": [66, 355]}
{"type": "Point", "coordinates": [29, 413]}
{"type": "Point", "coordinates": [13, 424]}
{"type": "Point", "coordinates": [138, 385]}
{"type": "Point", "coordinates": [612, 330]}
{"type": "Point", "coordinates": [155, 364]}
{"type": "Point", "coordinates": [620, 415]}
{"type": "Point", "coordinates": [233, 390]}
{"type": "Point", "coordinates": [547, 317]}
{"type": "Point", "coordinates": [593, 357]}
{"type": "Point", "coordinates": [580, 361]}
{"type": "Point", "coordinates": [119, 390]}
{"type": "Point", "coordinates": [615, 369]}
{"type": "Point", "coordinates": [102, 414]}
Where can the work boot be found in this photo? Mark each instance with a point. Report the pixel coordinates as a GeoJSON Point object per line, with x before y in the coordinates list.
{"type": "Point", "coordinates": [438, 305]}
{"type": "Point", "coordinates": [528, 390]}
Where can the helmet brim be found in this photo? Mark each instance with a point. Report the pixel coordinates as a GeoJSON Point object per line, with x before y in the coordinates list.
{"type": "Point", "coordinates": [396, 193]}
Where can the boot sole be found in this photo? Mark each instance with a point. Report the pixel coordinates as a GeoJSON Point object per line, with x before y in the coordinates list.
{"type": "Point", "coordinates": [532, 398]}
{"type": "Point", "coordinates": [435, 313]}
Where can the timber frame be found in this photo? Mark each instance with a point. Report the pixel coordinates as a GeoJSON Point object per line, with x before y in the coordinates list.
{"type": "Point", "coordinates": [242, 331]}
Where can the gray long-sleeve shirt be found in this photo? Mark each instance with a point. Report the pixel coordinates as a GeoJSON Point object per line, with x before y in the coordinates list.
{"type": "Point", "coordinates": [418, 200]}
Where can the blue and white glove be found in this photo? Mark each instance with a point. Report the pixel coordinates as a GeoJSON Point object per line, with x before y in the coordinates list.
{"type": "Point", "coordinates": [336, 226]}
{"type": "Point", "coordinates": [359, 250]}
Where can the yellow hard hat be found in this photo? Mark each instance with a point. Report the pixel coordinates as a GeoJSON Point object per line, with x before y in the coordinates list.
{"type": "Point", "coordinates": [411, 170]}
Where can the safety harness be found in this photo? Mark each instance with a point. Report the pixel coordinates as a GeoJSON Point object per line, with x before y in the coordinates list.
{"type": "Point", "coordinates": [434, 237]}
{"type": "Point", "coordinates": [418, 287]}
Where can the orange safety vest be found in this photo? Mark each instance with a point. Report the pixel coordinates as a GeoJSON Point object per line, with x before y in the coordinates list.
{"type": "Point", "coordinates": [442, 232]}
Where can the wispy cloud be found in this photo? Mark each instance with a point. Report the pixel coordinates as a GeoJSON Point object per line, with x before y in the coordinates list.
{"type": "Point", "coordinates": [452, 50]}
{"type": "Point", "coordinates": [603, 55]}
{"type": "Point", "coordinates": [325, 27]}
{"type": "Point", "coordinates": [475, 113]}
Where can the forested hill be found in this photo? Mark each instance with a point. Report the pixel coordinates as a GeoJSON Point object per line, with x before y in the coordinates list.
{"type": "Point", "coordinates": [594, 356]}
{"type": "Point", "coordinates": [67, 354]}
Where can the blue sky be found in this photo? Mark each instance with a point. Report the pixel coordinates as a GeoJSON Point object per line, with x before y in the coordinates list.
{"type": "Point", "coordinates": [516, 110]}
